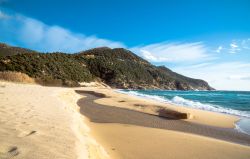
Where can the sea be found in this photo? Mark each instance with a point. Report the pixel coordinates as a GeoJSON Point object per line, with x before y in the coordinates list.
{"type": "Point", "coordinates": [227, 102]}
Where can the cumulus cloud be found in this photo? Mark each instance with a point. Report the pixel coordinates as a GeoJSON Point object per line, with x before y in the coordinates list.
{"type": "Point", "coordinates": [173, 52]}
{"type": "Point", "coordinates": [36, 35]}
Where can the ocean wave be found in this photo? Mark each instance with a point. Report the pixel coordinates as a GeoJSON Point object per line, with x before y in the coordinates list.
{"type": "Point", "coordinates": [243, 125]}
{"type": "Point", "coordinates": [214, 108]}
{"type": "Point", "coordinates": [180, 101]}
{"type": "Point", "coordinates": [154, 97]}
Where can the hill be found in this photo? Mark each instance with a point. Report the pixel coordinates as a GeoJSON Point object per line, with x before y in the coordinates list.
{"type": "Point", "coordinates": [119, 68]}
{"type": "Point", "coordinates": [6, 50]}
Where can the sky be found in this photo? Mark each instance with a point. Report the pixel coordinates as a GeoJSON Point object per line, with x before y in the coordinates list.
{"type": "Point", "coordinates": [204, 39]}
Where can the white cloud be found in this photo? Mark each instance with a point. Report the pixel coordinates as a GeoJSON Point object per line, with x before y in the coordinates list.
{"type": "Point", "coordinates": [234, 47]}
{"type": "Point", "coordinates": [218, 50]}
{"type": "Point", "coordinates": [148, 55]}
{"type": "Point", "coordinates": [222, 76]}
{"type": "Point", "coordinates": [173, 52]}
{"type": "Point", "coordinates": [36, 35]}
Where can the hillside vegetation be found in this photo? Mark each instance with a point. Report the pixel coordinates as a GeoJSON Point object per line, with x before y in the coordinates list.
{"type": "Point", "coordinates": [119, 68]}
{"type": "Point", "coordinates": [6, 50]}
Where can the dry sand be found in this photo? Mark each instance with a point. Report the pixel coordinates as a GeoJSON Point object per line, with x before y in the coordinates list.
{"type": "Point", "coordinates": [43, 122]}
{"type": "Point", "coordinates": [134, 142]}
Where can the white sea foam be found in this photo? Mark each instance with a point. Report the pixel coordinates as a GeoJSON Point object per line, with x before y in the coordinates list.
{"type": "Point", "coordinates": [243, 126]}
{"type": "Point", "coordinates": [214, 108]}
{"type": "Point", "coordinates": [189, 103]}
{"type": "Point", "coordinates": [154, 97]}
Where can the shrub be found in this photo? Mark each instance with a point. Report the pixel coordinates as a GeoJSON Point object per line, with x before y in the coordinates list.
{"type": "Point", "coordinates": [49, 81]}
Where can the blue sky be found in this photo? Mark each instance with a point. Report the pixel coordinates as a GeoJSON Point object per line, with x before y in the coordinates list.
{"type": "Point", "coordinates": [200, 39]}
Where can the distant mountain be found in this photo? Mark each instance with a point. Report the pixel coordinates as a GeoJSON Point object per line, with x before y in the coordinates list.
{"type": "Point", "coordinates": [119, 68]}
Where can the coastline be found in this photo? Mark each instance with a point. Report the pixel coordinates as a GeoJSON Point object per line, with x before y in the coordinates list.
{"type": "Point", "coordinates": [99, 113]}
{"type": "Point", "coordinates": [123, 140]}
{"type": "Point", "coordinates": [150, 106]}
{"type": "Point", "coordinates": [43, 112]}
{"type": "Point", "coordinates": [241, 123]}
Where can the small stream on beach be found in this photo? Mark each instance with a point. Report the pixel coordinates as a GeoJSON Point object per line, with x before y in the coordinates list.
{"type": "Point", "coordinates": [228, 102]}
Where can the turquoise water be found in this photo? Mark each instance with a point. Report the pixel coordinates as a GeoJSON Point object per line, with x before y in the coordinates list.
{"type": "Point", "coordinates": [227, 102]}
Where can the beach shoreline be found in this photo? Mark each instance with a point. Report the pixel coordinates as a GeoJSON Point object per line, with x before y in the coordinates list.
{"type": "Point", "coordinates": [99, 113]}
{"type": "Point", "coordinates": [44, 108]}
{"type": "Point", "coordinates": [121, 140]}
{"type": "Point", "coordinates": [150, 106]}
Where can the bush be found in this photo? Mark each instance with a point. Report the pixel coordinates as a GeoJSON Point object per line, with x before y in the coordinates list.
{"type": "Point", "coordinates": [49, 81]}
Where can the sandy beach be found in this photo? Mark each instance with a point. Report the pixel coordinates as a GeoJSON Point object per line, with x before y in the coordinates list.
{"type": "Point", "coordinates": [126, 141]}
{"type": "Point", "coordinates": [121, 79]}
{"type": "Point", "coordinates": [43, 122]}
{"type": "Point", "coordinates": [53, 122]}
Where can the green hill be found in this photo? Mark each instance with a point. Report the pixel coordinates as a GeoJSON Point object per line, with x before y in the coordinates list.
{"type": "Point", "coordinates": [119, 68]}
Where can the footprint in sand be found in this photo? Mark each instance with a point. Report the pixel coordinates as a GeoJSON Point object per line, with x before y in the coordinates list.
{"type": "Point", "coordinates": [10, 153]}
{"type": "Point", "coordinates": [26, 133]}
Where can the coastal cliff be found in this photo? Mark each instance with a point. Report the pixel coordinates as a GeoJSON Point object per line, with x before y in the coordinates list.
{"type": "Point", "coordinates": [118, 68]}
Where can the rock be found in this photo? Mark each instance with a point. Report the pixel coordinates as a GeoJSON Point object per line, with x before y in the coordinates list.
{"type": "Point", "coordinates": [171, 114]}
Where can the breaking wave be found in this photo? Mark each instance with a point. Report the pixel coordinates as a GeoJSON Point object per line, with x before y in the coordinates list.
{"type": "Point", "coordinates": [180, 101]}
